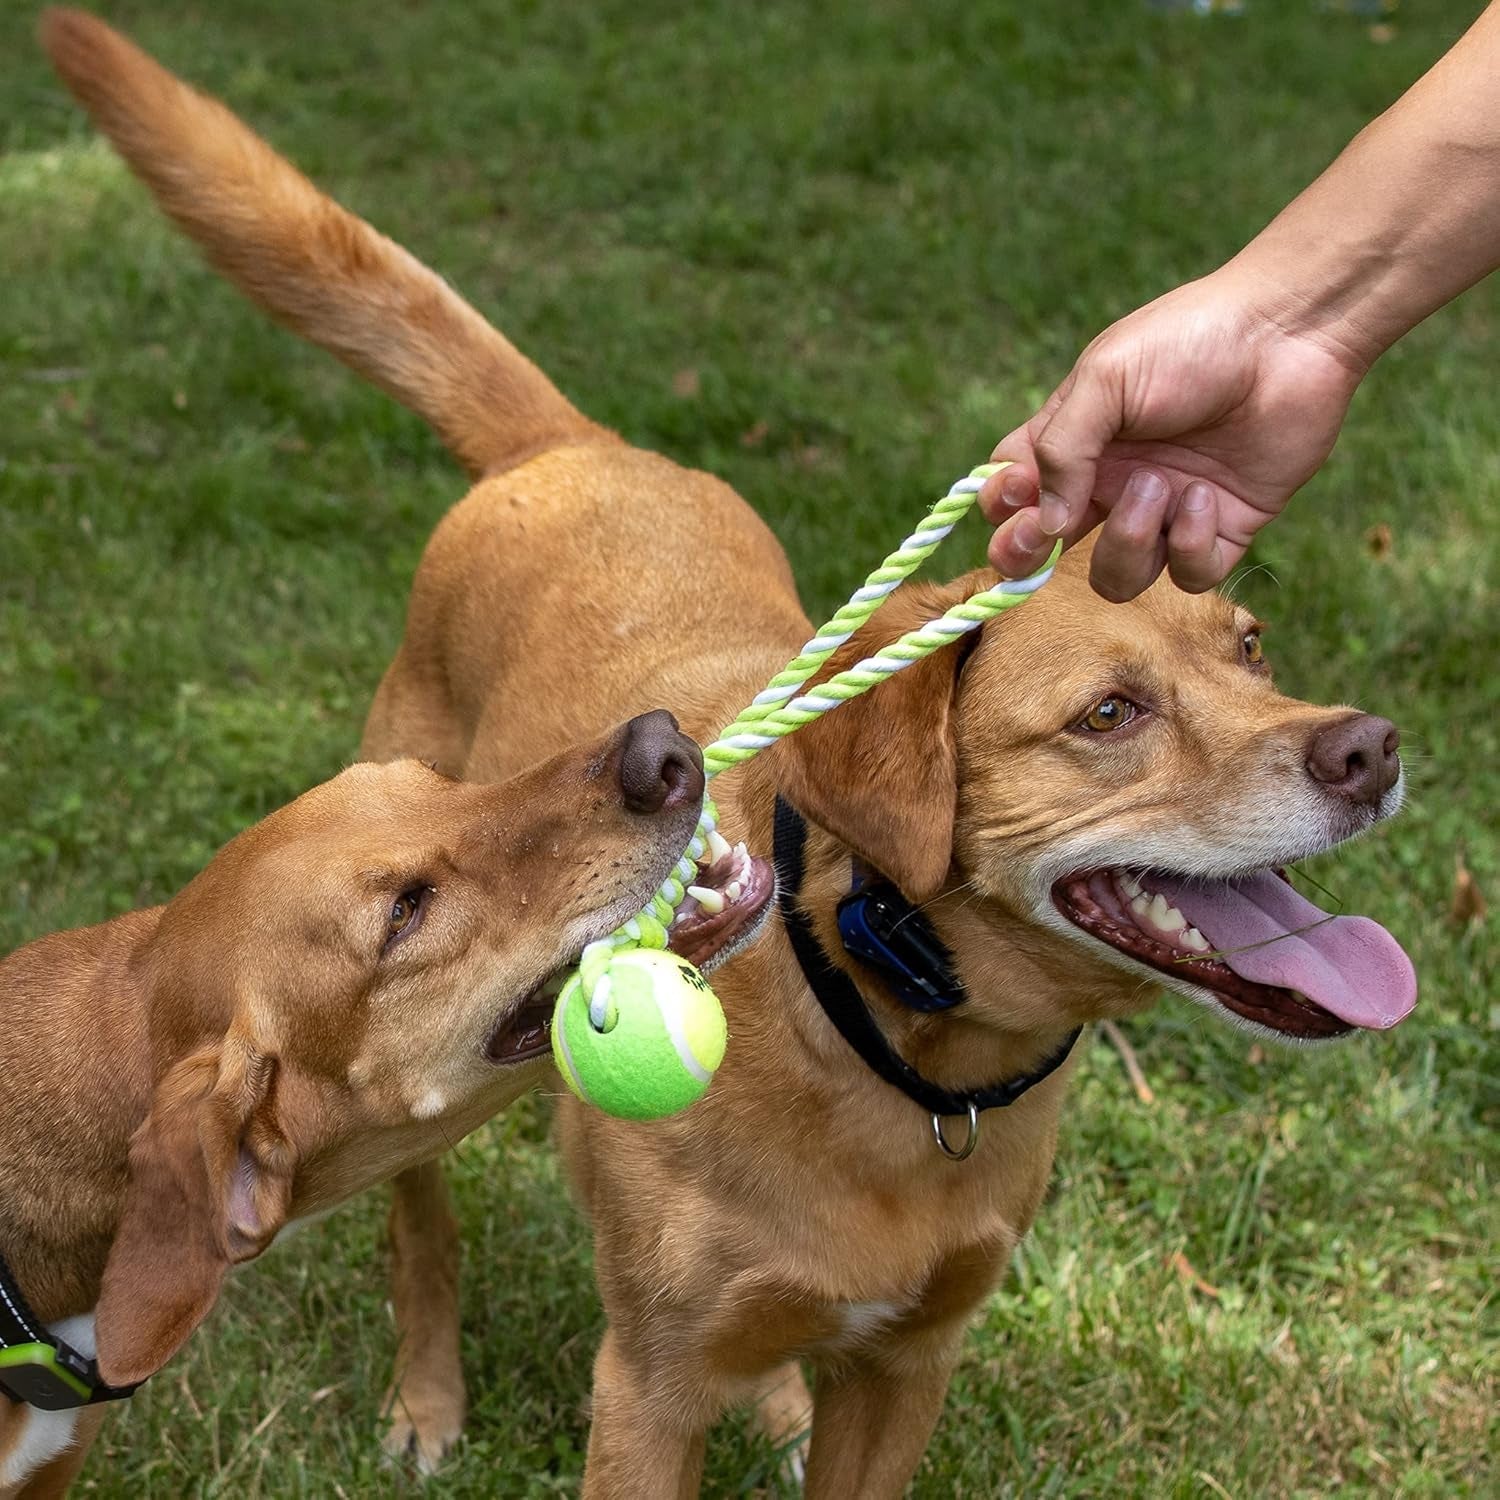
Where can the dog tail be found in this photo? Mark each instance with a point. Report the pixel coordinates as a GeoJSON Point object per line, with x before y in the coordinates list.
{"type": "Point", "coordinates": [309, 263]}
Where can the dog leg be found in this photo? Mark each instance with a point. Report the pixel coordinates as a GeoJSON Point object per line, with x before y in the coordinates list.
{"type": "Point", "coordinates": [426, 1400]}
{"type": "Point", "coordinates": [783, 1412]}
{"type": "Point", "coordinates": [637, 1451]}
{"type": "Point", "coordinates": [871, 1424]}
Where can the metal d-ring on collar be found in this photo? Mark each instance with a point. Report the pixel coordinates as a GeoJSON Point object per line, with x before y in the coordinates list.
{"type": "Point", "coordinates": [843, 1004]}
{"type": "Point", "coordinates": [970, 1141]}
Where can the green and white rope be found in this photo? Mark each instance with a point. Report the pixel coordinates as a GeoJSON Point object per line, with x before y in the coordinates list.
{"type": "Point", "coordinates": [778, 709]}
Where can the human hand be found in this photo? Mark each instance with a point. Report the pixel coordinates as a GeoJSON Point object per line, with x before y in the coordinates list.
{"type": "Point", "coordinates": [1182, 429]}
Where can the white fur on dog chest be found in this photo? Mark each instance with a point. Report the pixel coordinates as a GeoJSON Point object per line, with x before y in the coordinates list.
{"type": "Point", "coordinates": [860, 1322]}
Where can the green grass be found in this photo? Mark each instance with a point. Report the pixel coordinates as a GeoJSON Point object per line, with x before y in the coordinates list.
{"type": "Point", "coordinates": [877, 233]}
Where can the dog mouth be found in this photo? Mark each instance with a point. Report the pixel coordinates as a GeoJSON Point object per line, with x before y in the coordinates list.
{"type": "Point", "coordinates": [1261, 950]}
{"type": "Point", "coordinates": [725, 906]}
{"type": "Point", "coordinates": [523, 1034]}
{"type": "Point", "coordinates": [724, 909]}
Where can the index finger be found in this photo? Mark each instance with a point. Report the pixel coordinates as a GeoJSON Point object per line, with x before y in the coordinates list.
{"type": "Point", "coordinates": [1015, 486]}
{"type": "Point", "coordinates": [1018, 486]}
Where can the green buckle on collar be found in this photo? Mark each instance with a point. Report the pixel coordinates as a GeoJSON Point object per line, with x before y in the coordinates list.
{"type": "Point", "coordinates": [44, 1377]}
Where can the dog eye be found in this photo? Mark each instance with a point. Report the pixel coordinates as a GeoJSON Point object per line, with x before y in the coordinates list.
{"type": "Point", "coordinates": [1109, 713]}
{"type": "Point", "coordinates": [1252, 650]}
{"type": "Point", "coordinates": [406, 913]}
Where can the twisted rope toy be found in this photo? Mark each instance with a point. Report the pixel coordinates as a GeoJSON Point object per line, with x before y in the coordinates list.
{"type": "Point", "coordinates": [778, 710]}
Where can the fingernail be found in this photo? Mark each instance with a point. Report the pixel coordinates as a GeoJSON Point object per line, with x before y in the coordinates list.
{"type": "Point", "coordinates": [1197, 497]}
{"type": "Point", "coordinates": [1148, 486]}
{"type": "Point", "coordinates": [1015, 489]}
{"type": "Point", "coordinates": [1053, 513]}
{"type": "Point", "coordinates": [1027, 534]}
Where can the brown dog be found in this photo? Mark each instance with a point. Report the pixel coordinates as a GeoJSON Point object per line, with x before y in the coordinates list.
{"type": "Point", "coordinates": [1084, 801]}
{"type": "Point", "coordinates": [346, 989]}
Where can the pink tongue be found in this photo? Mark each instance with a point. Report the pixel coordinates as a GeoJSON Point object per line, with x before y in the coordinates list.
{"type": "Point", "coordinates": [1348, 965]}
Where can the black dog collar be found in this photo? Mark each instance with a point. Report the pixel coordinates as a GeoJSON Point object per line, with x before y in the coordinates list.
{"type": "Point", "coordinates": [842, 1003]}
{"type": "Point", "coordinates": [40, 1369]}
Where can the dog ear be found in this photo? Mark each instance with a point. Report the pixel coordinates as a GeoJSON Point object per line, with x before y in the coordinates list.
{"type": "Point", "coordinates": [210, 1183]}
{"type": "Point", "coordinates": [880, 772]}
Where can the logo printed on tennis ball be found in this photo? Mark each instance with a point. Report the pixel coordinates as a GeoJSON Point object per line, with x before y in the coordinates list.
{"type": "Point", "coordinates": [658, 1056]}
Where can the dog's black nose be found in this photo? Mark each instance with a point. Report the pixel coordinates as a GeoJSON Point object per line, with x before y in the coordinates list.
{"type": "Point", "coordinates": [659, 767]}
{"type": "Point", "coordinates": [1356, 757]}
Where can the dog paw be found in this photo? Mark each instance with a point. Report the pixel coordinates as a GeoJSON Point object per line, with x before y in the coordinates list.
{"type": "Point", "coordinates": [783, 1412]}
{"type": "Point", "coordinates": [792, 1469]}
{"type": "Point", "coordinates": [421, 1434]}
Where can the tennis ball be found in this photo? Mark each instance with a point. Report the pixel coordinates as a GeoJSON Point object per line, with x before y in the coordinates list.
{"type": "Point", "coordinates": [659, 1054]}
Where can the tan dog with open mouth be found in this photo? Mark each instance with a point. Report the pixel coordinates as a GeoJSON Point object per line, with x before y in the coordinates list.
{"type": "Point", "coordinates": [349, 987]}
{"type": "Point", "coordinates": [1085, 802]}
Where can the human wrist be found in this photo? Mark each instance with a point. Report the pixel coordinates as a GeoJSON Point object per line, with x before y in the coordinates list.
{"type": "Point", "coordinates": [1403, 221]}
{"type": "Point", "coordinates": [1341, 292]}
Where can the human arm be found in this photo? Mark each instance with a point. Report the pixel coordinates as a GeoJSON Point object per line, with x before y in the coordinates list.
{"type": "Point", "coordinates": [1186, 426]}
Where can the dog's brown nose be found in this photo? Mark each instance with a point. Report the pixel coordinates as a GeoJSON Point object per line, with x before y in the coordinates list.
{"type": "Point", "coordinates": [659, 768]}
{"type": "Point", "coordinates": [1356, 757]}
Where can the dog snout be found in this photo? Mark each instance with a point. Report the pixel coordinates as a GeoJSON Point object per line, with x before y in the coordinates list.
{"type": "Point", "coordinates": [1356, 757]}
{"type": "Point", "coordinates": [660, 768]}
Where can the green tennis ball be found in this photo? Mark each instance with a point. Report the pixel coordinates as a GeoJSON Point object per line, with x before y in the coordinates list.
{"type": "Point", "coordinates": [659, 1054]}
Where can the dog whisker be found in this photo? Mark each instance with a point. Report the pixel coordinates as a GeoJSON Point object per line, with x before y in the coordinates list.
{"type": "Point", "coordinates": [1229, 588]}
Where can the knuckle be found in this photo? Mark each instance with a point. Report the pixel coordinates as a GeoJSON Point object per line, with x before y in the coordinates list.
{"type": "Point", "coordinates": [1051, 450]}
{"type": "Point", "coordinates": [1136, 532]}
{"type": "Point", "coordinates": [1190, 544]}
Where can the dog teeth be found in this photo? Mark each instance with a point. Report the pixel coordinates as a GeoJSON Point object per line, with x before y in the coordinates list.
{"type": "Point", "coordinates": [1166, 918]}
{"type": "Point", "coordinates": [1129, 884]}
{"type": "Point", "coordinates": [734, 890]}
{"type": "Point", "coordinates": [718, 846]}
{"type": "Point", "coordinates": [1156, 914]}
{"type": "Point", "coordinates": [710, 900]}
